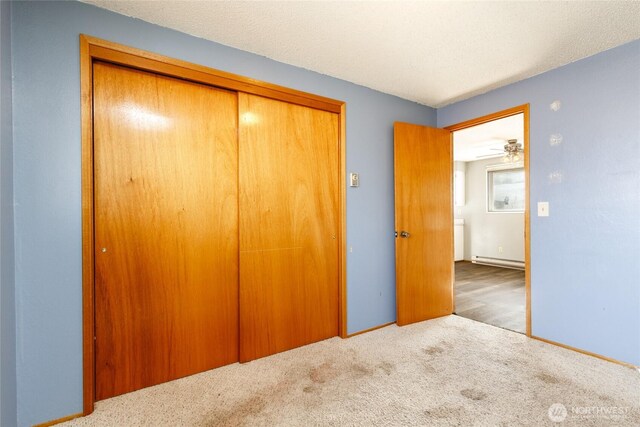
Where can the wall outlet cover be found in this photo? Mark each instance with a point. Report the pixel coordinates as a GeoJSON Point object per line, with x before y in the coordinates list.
{"type": "Point", "coordinates": [354, 179]}
{"type": "Point", "coordinates": [543, 208]}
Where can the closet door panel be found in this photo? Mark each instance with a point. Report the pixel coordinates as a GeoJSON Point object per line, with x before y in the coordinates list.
{"type": "Point", "coordinates": [166, 227]}
{"type": "Point", "coordinates": [288, 180]}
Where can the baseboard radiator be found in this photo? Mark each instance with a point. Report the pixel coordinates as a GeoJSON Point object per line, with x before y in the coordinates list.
{"type": "Point", "coordinates": [498, 262]}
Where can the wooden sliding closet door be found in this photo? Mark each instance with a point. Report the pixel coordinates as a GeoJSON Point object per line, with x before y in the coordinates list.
{"type": "Point", "coordinates": [289, 177]}
{"type": "Point", "coordinates": [166, 249]}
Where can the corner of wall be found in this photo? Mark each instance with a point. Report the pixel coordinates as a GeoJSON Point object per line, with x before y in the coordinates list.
{"type": "Point", "coordinates": [8, 386]}
{"type": "Point", "coordinates": [602, 318]}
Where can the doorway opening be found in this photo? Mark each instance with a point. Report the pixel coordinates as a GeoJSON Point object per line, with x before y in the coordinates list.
{"type": "Point", "coordinates": [491, 219]}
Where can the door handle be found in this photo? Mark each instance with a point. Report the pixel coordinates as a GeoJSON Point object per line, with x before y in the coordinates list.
{"type": "Point", "coordinates": [404, 234]}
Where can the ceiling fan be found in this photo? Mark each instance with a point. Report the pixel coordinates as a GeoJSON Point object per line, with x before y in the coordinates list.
{"type": "Point", "coordinates": [512, 152]}
{"type": "Point", "coordinates": [500, 151]}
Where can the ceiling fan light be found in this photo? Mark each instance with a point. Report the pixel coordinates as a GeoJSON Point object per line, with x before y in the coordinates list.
{"type": "Point", "coordinates": [513, 151]}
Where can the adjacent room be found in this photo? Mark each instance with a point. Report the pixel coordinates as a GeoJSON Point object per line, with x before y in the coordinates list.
{"type": "Point", "coordinates": [489, 188]}
{"type": "Point", "coordinates": [310, 213]}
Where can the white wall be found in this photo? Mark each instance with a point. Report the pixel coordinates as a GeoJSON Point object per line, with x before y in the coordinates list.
{"type": "Point", "coordinates": [485, 232]}
{"type": "Point", "coordinates": [459, 184]}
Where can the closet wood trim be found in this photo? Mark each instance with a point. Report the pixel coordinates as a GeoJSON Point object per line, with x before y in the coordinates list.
{"type": "Point", "coordinates": [95, 49]}
{"type": "Point", "coordinates": [148, 61]}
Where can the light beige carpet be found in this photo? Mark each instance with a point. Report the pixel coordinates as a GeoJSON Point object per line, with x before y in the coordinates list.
{"type": "Point", "coordinates": [444, 372]}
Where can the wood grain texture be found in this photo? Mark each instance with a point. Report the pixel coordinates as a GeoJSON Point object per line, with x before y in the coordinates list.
{"type": "Point", "coordinates": [166, 211]}
{"type": "Point", "coordinates": [384, 325]}
{"type": "Point", "coordinates": [491, 295]}
{"type": "Point", "coordinates": [488, 118]}
{"type": "Point", "coordinates": [149, 61]}
{"type": "Point", "coordinates": [423, 207]}
{"type": "Point", "coordinates": [289, 225]}
{"type": "Point", "coordinates": [527, 218]}
{"type": "Point", "coordinates": [95, 49]}
{"type": "Point", "coordinates": [524, 110]}
{"type": "Point", "coordinates": [342, 239]}
{"type": "Point", "coordinates": [588, 353]}
{"type": "Point", "coordinates": [60, 420]}
{"type": "Point", "coordinates": [88, 313]}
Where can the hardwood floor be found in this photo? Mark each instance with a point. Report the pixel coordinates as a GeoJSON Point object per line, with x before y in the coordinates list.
{"type": "Point", "coordinates": [491, 295]}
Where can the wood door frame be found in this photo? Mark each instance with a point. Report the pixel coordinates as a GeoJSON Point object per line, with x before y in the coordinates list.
{"type": "Point", "coordinates": [524, 110]}
{"type": "Point", "coordinates": [95, 49]}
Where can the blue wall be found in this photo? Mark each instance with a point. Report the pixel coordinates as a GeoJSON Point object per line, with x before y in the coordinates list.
{"type": "Point", "coordinates": [585, 257]}
{"type": "Point", "coordinates": [7, 285]}
{"type": "Point", "coordinates": [585, 269]}
{"type": "Point", "coordinates": [46, 108]}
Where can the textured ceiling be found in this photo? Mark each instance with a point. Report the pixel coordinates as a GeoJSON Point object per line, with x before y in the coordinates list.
{"type": "Point", "coordinates": [431, 52]}
{"type": "Point", "coordinates": [488, 139]}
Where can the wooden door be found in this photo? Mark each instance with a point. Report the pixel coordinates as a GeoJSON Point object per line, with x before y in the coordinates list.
{"type": "Point", "coordinates": [166, 245]}
{"type": "Point", "coordinates": [424, 222]}
{"type": "Point", "coordinates": [289, 177]}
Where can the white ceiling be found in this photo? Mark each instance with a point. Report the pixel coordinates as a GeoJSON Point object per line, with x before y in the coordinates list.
{"type": "Point", "coordinates": [431, 52]}
{"type": "Point", "coordinates": [488, 139]}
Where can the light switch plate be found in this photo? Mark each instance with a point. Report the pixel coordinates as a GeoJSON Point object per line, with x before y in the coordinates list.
{"type": "Point", "coordinates": [354, 179]}
{"type": "Point", "coordinates": [543, 208]}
